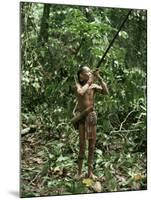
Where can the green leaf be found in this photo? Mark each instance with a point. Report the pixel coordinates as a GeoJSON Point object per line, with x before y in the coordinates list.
{"type": "Point", "coordinates": [123, 34]}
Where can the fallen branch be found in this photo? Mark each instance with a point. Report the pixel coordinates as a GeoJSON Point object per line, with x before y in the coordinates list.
{"type": "Point", "coordinates": [28, 130]}
{"type": "Point", "coordinates": [25, 131]}
{"type": "Point", "coordinates": [126, 119]}
{"type": "Point", "coordinates": [125, 131]}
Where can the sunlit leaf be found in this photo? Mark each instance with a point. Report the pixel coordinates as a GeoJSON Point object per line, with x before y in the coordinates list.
{"type": "Point", "coordinates": [88, 182]}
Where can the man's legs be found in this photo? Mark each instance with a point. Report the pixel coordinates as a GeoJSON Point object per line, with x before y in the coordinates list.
{"type": "Point", "coordinates": [81, 147]}
{"type": "Point", "coordinates": [91, 149]}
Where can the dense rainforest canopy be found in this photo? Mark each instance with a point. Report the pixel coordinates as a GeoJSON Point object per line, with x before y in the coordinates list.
{"type": "Point", "coordinates": [55, 41]}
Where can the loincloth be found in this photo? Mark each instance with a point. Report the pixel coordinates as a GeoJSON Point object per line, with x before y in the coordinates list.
{"type": "Point", "coordinates": [89, 121]}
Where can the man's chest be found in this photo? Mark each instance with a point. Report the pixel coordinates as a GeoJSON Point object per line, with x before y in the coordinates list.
{"type": "Point", "coordinates": [89, 93]}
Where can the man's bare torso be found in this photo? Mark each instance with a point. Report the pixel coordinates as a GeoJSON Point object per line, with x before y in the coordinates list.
{"type": "Point", "coordinates": [86, 100]}
{"type": "Point", "coordinates": [85, 92]}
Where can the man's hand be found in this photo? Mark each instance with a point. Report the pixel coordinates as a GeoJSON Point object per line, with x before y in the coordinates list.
{"type": "Point", "coordinates": [90, 80]}
{"type": "Point", "coordinates": [95, 86]}
{"type": "Point", "coordinates": [96, 73]}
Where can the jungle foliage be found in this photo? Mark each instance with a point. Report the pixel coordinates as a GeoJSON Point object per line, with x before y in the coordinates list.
{"type": "Point", "coordinates": [55, 41]}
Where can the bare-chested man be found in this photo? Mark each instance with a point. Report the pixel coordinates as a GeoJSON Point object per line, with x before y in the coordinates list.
{"type": "Point", "coordinates": [85, 90]}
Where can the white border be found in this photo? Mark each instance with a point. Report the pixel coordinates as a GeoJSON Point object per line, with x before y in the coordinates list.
{"type": "Point", "coordinates": [9, 99]}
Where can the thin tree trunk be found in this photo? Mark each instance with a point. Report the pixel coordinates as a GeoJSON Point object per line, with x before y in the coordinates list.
{"type": "Point", "coordinates": [43, 36]}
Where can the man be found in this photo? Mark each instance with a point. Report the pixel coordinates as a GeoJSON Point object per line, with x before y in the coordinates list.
{"type": "Point", "coordinates": [85, 91]}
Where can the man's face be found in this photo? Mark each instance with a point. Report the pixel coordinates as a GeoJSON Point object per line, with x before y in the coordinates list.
{"type": "Point", "coordinates": [84, 76]}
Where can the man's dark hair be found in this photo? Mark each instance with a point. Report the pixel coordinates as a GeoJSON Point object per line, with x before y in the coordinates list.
{"type": "Point", "coordinates": [81, 70]}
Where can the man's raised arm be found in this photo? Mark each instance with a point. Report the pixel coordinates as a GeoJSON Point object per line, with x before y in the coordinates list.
{"type": "Point", "coordinates": [82, 89]}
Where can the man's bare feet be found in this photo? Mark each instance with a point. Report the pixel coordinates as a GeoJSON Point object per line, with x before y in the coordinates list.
{"type": "Point", "coordinates": [79, 176]}
{"type": "Point", "coordinates": [92, 176]}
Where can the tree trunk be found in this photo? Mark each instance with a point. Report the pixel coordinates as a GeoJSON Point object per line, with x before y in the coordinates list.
{"type": "Point", "coordinates": [43, 36]}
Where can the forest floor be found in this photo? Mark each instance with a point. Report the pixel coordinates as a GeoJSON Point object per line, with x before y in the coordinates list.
{"type": "Point", "coordinates": [48, 167]}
